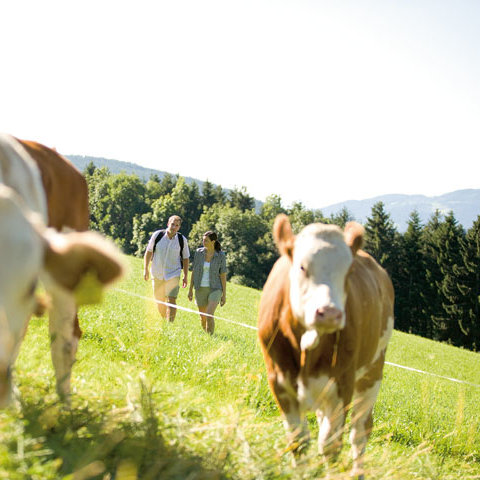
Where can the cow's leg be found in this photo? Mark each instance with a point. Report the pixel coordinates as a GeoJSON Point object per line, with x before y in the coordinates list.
{"type": "Point", "coordinates": [331, 421]}
{"type": "Point", "coordinates": [64, 336]}
{"type": "Point", "coordinates": [7, 358]}
{"type": "Point", "coordinates": [77, 334]}
{"type": "Point", "coordinates": [362, 423]}
{"type": "Point", "coordinates": [10, 341]}
{"type": "Point", "coordinates": [329, 406]}
{"type": "Point", "coordinates": [297, 429]}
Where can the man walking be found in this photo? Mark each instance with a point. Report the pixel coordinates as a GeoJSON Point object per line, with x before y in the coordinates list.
{"type": "Point", "coordinates": [170, 253]}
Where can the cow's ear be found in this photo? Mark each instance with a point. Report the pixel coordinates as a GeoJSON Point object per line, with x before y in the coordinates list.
{"type": "Point", "coordinates": [353, 235]}
{"type": "Point", "coordinates": [82, 263]}
{"type": "Point", "coordinates": [283, 235]}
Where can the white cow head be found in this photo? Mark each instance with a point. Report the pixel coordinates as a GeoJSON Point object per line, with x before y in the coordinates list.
{"type": "Point", "coordinates": [321, 257]}
{"type": "Point", "coordinates": [28, 252]}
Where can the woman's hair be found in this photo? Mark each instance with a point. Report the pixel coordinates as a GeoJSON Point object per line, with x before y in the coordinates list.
{"type": "Point", "coordinates": [214, 238]}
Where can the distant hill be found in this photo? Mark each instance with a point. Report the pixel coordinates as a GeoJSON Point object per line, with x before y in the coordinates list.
{"type": "Point", "coordinates": [464, 203]}
{"type": "Point", "coordinates": [116, 166]}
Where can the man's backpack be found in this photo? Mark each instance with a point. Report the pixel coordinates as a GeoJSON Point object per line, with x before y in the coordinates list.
{"type": "Point", "coordinates": [161, 234]}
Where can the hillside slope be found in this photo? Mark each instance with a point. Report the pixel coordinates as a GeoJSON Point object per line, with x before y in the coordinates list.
{"type": "Point", "coordinates": [159, 400]}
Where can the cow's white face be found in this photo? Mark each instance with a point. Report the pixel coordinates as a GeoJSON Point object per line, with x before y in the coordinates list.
{"type": "Point", "coordinates": [321, 260]}
{"type": "Point", "coordinates": [321, 256]}
{"type": "Point", "coordinates": [21, 259]}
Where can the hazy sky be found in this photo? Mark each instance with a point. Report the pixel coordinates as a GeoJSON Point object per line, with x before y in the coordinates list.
{"type": "Point", "coordinates": [316, 101]}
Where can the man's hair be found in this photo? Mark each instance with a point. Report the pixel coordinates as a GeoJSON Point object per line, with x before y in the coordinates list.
{"type": "Point", "coordinates": [174, 217]}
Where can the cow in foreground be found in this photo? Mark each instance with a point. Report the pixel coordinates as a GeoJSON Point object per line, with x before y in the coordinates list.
{"type": "Point", "coordinates": [325, 319]}
{"type": "Point", "coordinates": [71, 266]}
{"type": "Point", "coordinates": [66, 192]}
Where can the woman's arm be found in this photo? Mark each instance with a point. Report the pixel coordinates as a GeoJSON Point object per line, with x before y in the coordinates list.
{"type": "Point", "coordinates": [223, 279]}
{"type": "Point", "coordinates": [190, 291]}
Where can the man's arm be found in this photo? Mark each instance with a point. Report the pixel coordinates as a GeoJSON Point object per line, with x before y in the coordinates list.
{"type": "Point", "coordinates": [185, 263]}
{"type": "Point", "coordinates": [146, 262]}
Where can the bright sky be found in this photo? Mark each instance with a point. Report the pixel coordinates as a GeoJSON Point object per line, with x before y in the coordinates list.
{"type": "Point", "coordinates": [316, 101]}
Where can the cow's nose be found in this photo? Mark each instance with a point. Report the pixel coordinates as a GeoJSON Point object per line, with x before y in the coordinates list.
{"type": "Point", "coordinates": [328, 317]}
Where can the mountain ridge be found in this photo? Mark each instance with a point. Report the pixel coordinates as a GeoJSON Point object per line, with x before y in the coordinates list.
{"type": "Point", "coordinates": [464, 203]}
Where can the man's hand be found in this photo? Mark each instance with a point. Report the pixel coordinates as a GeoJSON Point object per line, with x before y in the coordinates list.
{"type": "Point", "coordinates": [146, 275]}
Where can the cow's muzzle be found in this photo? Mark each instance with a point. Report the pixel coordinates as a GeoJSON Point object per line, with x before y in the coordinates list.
{"type": "Point", "coordinates": [324, 320]}
{"type": "Point", "coordinates": [328, 319]}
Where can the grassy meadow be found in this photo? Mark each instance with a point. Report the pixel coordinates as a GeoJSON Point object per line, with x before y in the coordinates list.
{"type": "Point", "coordinates": [166, 401]}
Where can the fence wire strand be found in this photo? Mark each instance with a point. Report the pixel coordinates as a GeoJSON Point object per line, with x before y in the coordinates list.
{"type": "Point", "coordinates": [189, 310]}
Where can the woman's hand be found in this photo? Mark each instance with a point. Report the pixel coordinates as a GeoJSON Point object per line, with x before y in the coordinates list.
{"type": "Point", "coordinates": [190, 295]}
{"type": "Point", "coordinates": [223, 300]}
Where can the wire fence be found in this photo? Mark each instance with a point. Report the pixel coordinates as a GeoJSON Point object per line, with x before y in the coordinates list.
{"type": "Point", "coordinates": [251, 327]}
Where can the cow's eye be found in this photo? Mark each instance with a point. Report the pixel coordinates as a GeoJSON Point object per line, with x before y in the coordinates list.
{"type": "Point", "coordinates": [304, 270]}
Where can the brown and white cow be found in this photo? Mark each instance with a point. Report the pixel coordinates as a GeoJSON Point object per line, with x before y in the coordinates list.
{"type": "Point", "coordinates": [325, 319]}
{"type": "Point", "coordinates": [30, 252]}
{"type": "Point", "coordinates": [66, 192]}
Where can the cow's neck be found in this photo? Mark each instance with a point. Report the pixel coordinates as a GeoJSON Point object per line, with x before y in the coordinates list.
{"type": "Point", "coordinates": [291, 327]}
{"type": "Point", "coordinates": [324, 354]}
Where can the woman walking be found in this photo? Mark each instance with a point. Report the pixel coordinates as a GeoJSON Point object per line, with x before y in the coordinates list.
{"type": "Point", "coordinates": [209, 278]}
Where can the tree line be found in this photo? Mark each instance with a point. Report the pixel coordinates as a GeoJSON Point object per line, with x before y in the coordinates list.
{"type": "Point", "coordinates": [435, 268]}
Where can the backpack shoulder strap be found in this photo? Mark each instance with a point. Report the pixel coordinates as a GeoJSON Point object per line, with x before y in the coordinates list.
{"type": "Point", "coordinates": [180, 241]}
{"type": "Point", "coordinates": [160, 235]}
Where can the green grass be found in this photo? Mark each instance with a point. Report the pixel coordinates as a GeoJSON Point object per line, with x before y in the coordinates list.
{"type": "Point", "coordinates": [156, 400]}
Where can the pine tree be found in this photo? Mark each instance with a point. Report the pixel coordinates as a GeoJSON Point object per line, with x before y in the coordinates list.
{"type": "Point", "coordinates": [89, 170]}
{"type": "Point", "coordinates": [220, 195]}
{"type": "Point", "coordinates": [382, 242]}
{"type": "Point", "coordinates": [209, 197]}
{"type": "Point", "coordinates": [380, 238]}
{"type": "Point", "coordinates": [468, 283]}
{"type": "Point", "coordinates": [168, 183]}
{"type": "Point", "coordinates": [341, 218]}
{"type": "Point", "coordinates": [410, 310]}
{"type": "Point", "coordinates": [432, 303]}
{"type": "Point", "coordinates": [239, 198]}
{"type": "Point", "coordinates": [447, 240]}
